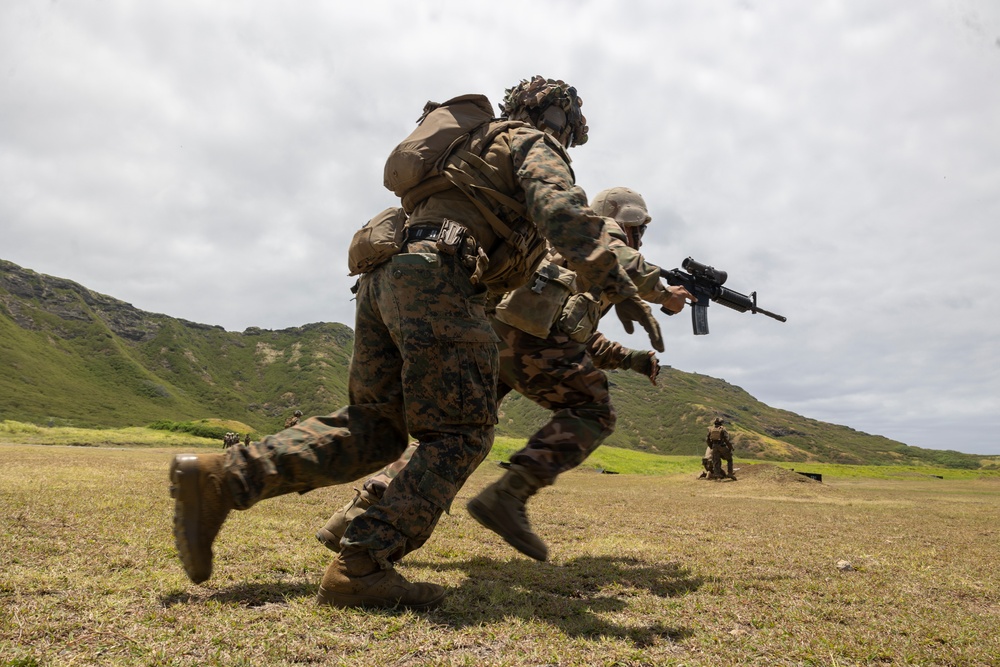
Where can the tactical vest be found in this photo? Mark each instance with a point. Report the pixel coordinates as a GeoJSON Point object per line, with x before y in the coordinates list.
{"type": "Point", "coordinates": [715, 434]}
{"type": "Point", "coordinates": [446, 152]}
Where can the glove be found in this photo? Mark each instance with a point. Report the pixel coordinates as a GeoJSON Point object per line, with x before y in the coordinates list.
{"type": "Point", "coordinates": [635, 310]}
{"type": "Point", "coordinates": [642, 361]}
{"type": "Point", "coordinates": [676, 298]}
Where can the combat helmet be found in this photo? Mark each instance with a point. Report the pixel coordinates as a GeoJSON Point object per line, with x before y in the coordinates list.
{"type": "Point", "coordinates": [298, 413]}
{"type": "Point", "coordinates": [626, 207]}
{"type": "Point", "coordinates": [718, 421]}
{"type": "Point", "coordinates": [551, 105]}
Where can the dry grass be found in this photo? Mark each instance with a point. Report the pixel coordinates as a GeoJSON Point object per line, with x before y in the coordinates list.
{"type": "Point", "coordinates": [663, 570]}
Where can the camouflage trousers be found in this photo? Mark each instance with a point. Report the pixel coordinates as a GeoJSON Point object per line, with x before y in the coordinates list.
{"type": "Point", "coordinates": [558, 374]}
{"type": "Point", "coordinates": [424, 363]}
{"type": "Point", "coordinates": [722, 452]}
{"type": "Point", "coordinates": [379, 482]}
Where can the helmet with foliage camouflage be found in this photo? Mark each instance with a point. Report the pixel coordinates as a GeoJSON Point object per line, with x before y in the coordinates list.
{"type": "Point", "coordinates": [550, 105]}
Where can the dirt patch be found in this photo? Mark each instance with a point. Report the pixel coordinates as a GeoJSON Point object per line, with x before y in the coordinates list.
{"type": "Point", "coordinates": [768, 473]}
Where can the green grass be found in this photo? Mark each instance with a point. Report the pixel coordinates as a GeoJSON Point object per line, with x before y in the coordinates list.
{"type": "Point", "coordinates": [644, 570]}
{"type": "Point", "coordinates": [18, 432]}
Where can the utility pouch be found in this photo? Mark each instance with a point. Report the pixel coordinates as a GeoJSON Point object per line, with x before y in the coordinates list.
{"type": "Point", "coordinates": [580, 317]}
{"type": "Point", "coordinates": [533, 308]}
{"type": "Point", "coordinates": [377, 241]}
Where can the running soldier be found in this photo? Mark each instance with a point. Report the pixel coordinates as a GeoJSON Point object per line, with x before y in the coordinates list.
{"type": "Point", "coordinates": [425, 357]}
{"type": "Point", "coordinates": [553, 368]}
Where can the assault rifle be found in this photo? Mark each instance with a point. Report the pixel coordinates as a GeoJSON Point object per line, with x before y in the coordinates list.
{"type": "Point", "coordinates": [705, 284]}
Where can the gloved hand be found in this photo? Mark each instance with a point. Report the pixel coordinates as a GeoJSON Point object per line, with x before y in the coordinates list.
{"type": "Point", "coordinates": [642, 361]}
{"type": "Point", "coordinates": [678, 297]}
{"type": "Point", "coordinates": [635, 309]}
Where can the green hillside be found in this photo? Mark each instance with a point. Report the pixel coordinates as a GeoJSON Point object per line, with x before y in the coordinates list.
{"type": "Point", "coordinates": [77, 358]}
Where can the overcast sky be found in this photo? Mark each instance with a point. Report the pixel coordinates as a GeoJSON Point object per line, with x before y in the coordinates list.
{"type": "Point", "coordinates": [210, 161]}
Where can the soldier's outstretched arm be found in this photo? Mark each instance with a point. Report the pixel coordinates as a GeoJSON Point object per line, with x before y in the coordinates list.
{"type": "Point", "coordinates": [559, 208]}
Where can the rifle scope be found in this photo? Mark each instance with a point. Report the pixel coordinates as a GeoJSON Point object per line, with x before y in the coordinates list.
{"type": "Point", "coordinates": [704, 271]}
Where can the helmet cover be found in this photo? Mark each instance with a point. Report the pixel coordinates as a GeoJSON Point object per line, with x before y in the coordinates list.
{"type": "Point", "coordinates": [532, 98]}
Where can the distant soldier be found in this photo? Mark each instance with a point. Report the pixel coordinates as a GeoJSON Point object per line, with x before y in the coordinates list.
{"type": "Point", "coordinates": [721, 447]}
{"type": "Point", "coordinates": [293, 420]}
{"type": "Point", "coordinates": [246, 441]}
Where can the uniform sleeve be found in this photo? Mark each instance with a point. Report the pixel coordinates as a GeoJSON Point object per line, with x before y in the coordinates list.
{"type": "Point", "coordinates": [605, 353]}
{"type": "Point", "coordinates": [559, 208]}
{"type": "Point", "coordinates": [644, 275]}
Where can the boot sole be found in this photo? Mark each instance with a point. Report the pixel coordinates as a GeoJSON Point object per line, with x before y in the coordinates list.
{"type": "Point", "coordinates": [345, 601]}
{"type": "Point", "coordinates": [184, 489]}
{"type": "Point", "coordinates": [482, 516]}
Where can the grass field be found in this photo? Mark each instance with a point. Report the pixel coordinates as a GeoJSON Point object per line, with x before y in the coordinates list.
{"type": "Point", "coordinates": [645, 570]}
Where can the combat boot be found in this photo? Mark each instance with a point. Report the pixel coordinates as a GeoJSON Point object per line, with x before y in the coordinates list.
{"type": "Point", "coordinates": [330, 534]}
{"type": "Point", "coordinates": [500, 507]}
{"type": "Point", "coordinates": [353, 579]}
{"type": "Point", "coordinates": [202, 501]}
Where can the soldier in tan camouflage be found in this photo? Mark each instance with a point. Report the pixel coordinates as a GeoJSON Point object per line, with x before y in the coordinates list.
{"type": "Point", "coordinates": [558, 373]}
{"type": "Point", "coordinates": [424, 363]}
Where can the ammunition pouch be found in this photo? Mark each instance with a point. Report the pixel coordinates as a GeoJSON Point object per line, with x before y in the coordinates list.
{"type": "Point", "coordinates": [376, 242]}
{"type": "Point", "coordinates": [535, 307]}
{"type": "Point", "coordinates": [580, 316]}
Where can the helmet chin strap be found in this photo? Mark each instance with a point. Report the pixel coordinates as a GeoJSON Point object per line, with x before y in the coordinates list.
{"type": "Point", "coordinates": [634, 236]}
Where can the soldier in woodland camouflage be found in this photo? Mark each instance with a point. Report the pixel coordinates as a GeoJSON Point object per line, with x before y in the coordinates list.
{"type": "Point", "coordinates": [564, 376]}
{"type": "Point", "coordinates": [424, 364]}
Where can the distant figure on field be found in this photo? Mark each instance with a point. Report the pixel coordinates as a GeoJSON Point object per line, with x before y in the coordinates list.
{"type": "Point", "coordinates": [246, 441]}
{"type": "Point", "coordinates": [721, 447]}
{"type": "Point", "coordinates": [706, 463]}
{"type": "Point", "coordinates": [293, 420]}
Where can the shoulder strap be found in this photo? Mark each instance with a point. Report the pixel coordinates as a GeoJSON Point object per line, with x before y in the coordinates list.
{"type": "Point", "coordinates": [481, 183]}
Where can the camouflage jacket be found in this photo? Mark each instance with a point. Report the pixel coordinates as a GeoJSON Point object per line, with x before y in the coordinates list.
{"type": "Point", "coordinates": [533, 169]}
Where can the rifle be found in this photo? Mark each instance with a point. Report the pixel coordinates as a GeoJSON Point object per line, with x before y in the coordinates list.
{"type": "Point", "coordinates": [705, 284]}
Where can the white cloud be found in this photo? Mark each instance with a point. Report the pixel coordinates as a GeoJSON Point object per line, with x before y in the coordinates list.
{"type": "Point", "coordinates": [210, 161]}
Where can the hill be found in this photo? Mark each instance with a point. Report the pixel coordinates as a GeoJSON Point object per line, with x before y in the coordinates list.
{"type": "Point", "coordinates": [75, 357]}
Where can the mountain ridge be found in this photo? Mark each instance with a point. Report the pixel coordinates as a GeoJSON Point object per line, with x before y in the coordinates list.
{"type": "Point", "coordinates": [77, 357]}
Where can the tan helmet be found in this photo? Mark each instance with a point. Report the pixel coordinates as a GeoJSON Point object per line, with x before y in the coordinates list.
{"type": "Point", "coordinates": [551, 105]}
{"type": "Point", "coordinates": [626, 206]}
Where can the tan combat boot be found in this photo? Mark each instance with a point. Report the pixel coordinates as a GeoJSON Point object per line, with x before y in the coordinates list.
{"type": "Point", "coordinates": [500, 507]}
{"type": "Point", "coordinates": [202, 503]}
{"type": "Point", "coordinates": [330, 534]}
{"type": "Point", "coordinates": [353, 579]}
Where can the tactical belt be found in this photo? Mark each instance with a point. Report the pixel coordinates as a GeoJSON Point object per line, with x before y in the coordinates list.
{"type": "Point", "coordinates": [423, 233]}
